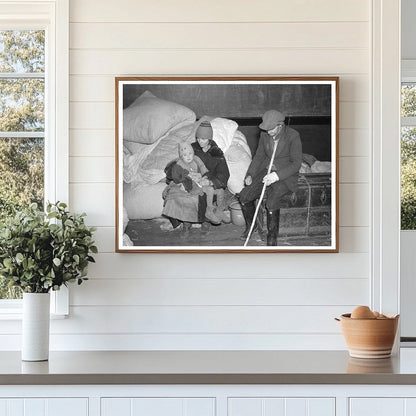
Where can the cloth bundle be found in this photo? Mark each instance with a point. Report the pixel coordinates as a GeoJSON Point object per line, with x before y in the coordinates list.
{"type": "Point", "coordinates": [152, 130]}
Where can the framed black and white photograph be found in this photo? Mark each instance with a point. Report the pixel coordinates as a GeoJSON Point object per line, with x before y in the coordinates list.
{"type": "Point", "coordinates": [226, 164]}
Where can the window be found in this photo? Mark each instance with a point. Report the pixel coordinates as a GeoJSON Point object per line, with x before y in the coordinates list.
{"type": "Point", "coordinates": [33, 111]}
{"type": "Point", "coordinates": [408, 154]}
{"type": "Point", "coordinates": [22, 124]}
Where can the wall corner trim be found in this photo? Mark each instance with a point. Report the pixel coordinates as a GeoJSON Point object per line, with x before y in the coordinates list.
{"type": "Point", "coordinates": [385, 99]}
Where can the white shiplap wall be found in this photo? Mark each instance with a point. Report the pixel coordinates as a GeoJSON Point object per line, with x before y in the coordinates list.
{"type": "Point", "coordinates": [215, 301]}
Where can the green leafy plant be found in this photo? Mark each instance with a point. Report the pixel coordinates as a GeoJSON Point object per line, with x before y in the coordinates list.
{"type": "Point", "coordinates": [43, 251]}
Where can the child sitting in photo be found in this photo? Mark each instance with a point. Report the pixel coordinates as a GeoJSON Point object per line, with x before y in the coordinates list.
{"type": "Point", "coordinates": [190, 171]}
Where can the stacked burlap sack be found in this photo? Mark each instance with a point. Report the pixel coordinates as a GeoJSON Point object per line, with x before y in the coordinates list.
{"type": "Point", "coordinates": [152, 130]}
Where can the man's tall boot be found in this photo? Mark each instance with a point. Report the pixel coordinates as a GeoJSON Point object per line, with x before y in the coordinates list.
{"type": "Point", "coordinates": [261, 222]}
{"type": "Point", "coordinates": [248, 213]}
{"type": "Point", "coordinates": [273, 219]}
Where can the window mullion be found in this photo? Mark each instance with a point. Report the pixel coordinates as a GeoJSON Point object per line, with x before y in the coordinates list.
{"type": "Point", "coordinates": [408, 121]}
{"type": "Point", "coordinates": [22, 75]}
{"type": "Point", "coordinates": [22, 134]}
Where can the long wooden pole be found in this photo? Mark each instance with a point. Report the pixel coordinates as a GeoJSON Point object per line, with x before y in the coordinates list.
{"type": "Point", "coordinates": [262, 194]}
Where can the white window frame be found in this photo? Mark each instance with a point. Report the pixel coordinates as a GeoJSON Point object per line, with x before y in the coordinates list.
{"type": "Point", "coordinates": [53, 17]}
{"type": "Point", "coordinates": [408, 238]}
{"type": "Point", "coordinates": [385, 151]}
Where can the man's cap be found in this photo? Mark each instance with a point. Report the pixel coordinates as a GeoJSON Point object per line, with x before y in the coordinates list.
{"type": "Point", "coordinates": [271, 119]}
{"type": "Point", "coordinates": [204, 130]}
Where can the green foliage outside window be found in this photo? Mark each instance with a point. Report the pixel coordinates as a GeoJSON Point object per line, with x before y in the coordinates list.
{"type": "Point", "coordinates": [408, 160]}
{"type": "Point", "coordinates": [21, 174]}
{"type": "Point", "coordinates": [408, 102]}
{"type": "Point", "coordinates": [408, 179]}
{"type": "Point", "coordinates": [21, 110]}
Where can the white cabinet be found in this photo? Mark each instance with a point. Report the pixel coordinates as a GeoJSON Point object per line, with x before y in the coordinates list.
{"type": "Point", "coordinates": [208, 400]}
{"type": "Point", "coordinates": [382, 406]}
{"type": "Point", "coordinates": [160, 406]}
{"type": "Point", "coordinates": [271, 406]}
{"type": "Point", "coordinates": [44, 407]}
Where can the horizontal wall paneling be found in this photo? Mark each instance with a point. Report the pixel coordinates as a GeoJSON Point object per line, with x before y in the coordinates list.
{"type": "Point", "coordinates": [222, 291]}
{"type": "Point", "coordinates": [252, 266]}
{"type": "Point", "coordinates": [166, 341]}
{"type": "Point", "coordinates": [189, 11]}
{"type": "Point", "coordinates": [221, 62]}
{"type": "Point", "coordinates": [218, 35]}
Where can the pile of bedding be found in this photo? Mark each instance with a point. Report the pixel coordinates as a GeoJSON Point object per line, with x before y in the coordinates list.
{"type": "Point", "coordinates": [152, 130]}
{"type": "Point", "coordinates": [310, 164]}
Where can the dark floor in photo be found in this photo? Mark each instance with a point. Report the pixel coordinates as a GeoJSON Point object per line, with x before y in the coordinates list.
{"type": "Point", "coordinates": [149, 233]}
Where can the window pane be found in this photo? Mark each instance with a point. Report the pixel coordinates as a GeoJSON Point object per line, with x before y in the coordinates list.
{"type": "Point", "coordinates": [22, 51]}
{"type": "Point", "coordinates": [408, 143]}
{"type": "Point", "coordinates": [22, 104]}
{"type": "Point", "coordinates": [408, 105]}
{"type": "Point", "coordinates": [21, 182]}
{"type": "Point", "coordinates": [408, 178]}
{"type": "Point", "coordinates": [21, 174]}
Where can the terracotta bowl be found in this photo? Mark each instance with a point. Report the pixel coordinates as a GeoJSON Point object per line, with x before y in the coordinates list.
{"type": "Point", "coordinates": [369, 338]}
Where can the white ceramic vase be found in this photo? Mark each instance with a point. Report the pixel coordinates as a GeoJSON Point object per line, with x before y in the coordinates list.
{"type": "Point", "coordinates": [35, 326]}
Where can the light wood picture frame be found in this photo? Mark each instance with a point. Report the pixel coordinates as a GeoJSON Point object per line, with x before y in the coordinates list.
{"type": "Point", "coordinates": [155, 116]}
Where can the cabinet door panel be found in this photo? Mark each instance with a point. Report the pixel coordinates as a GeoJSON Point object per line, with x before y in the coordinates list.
{"type": "Point", "coordinates": [273, 406]}
{"type": "Point", "coordinates": [67, 407]}
{"type": "Point", "coordinates": [296, 407]}
{"type": "Point", "coordinates": [377, 407]}
{"type": "Point", "coordinates": [410, 406]}
{"type": "Point", "coordinates": [34, 407]}
{"type": "Point", "coordinates": [157, 407]}
{"type": "Point", "coordinates": [3, 407]}
{"type": "Point", "coordinates": [199, 407]}
{"type": "Point", "coordinates": [318, 407]}
{"type": "Point", "coordinates": [160, 406]}
{"type": "Point", "coordinates": [245, 407]}
{"type": "Point", "coordinates": [115, 407]}
{"type": "Point", "coordinates": [44, 407]}
{"type": "Point", "coordinates": [16, 407]}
